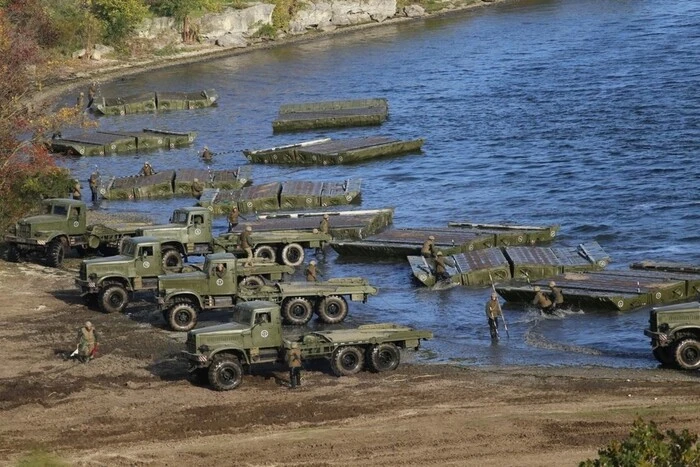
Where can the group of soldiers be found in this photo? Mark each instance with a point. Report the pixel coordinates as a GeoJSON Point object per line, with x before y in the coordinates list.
{"type": "Point", "coordinates": [93, 183]}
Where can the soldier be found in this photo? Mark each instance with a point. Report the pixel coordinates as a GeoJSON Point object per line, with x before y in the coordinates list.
{"type": "Point", "coordinates": [541, 301]}
{"type": "Point", "coordinates": [147, 169]}
{"type": "Point", "coordinates": [440, 270]}
{"type": "Point", "coordinates": [91, 94]}
{"type": "Point", "coordinates": [233, 218]}
{"type": "Point", "coordinates": [93, 182]}
{"type": "Point", "coordinates": [81, 101]}
{"type": "Point", "coordinates": [556, 297]}
{"type": "Point", "coordinates": [493, 312]}
{"type": "Point", "coordinates": [294, 364]}
{"type": "Point", "coordinates": [220, 270]}
{"type": "Point", "coordinates": [87, 342]}
{"type": "Point", "coordinates": [311, 274]}
{"type": "Point", "coordinates": [245, 243]}
{"type": "Point", "coordinates": [325, 225]}
{"type": "Point", "coordinates": [197, 188]}
{"type": "Point", "coordinates": [75, 191]}
{"type": "Point", "coordinates": [207, 154]}
{"type": "Point", "coordinates": [428, 249]}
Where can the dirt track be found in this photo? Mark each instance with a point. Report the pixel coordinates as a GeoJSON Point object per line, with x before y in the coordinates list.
{"type": "Point", "coordinates": [134, 406]}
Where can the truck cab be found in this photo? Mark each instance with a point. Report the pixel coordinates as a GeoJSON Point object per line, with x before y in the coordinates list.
{"type": "Point", "coordinates": [189, 232]}
{"type": "Point", "coordinates": [675, 335]}
{"type": "Point", "coordinates": [61, 225]}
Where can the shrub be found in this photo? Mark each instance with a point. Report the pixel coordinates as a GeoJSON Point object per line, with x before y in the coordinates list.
{"type": "Point", "coordinates": [647, 446]}
{"type": "Point", "coordinates": [120, 17]}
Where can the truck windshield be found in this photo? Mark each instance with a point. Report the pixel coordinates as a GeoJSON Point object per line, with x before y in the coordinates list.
{"type": "Point", "coordinates": [128, 249]}
{"type": "Point", "coordinates": [179, 217]}
{"type": "Point", "coordinates": [58, 210]}
{"type": "Point", "coordinates": [242, 315]}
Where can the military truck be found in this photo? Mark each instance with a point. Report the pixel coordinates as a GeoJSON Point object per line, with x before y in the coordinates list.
{"type": "Point", "coordinates": [675, 335]}
{"type": "Point", "coordinates": [183, 296]}
{"type": "Point", "coordinates": [62, 226]}
{"type": "Point", "coordinates": [190, 233]}
{"type": "Point", "coordinates": [220, 354]}
{"type": "Point", "coordinates": [110, 282]}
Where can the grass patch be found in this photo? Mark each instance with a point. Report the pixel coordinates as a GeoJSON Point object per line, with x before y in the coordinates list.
{"type": "Point", "coordinates": [41, 458]}
{"type": "Point", "coordinates": [265, 31]}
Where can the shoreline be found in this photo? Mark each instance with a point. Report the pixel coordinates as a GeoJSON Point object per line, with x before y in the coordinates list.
{"type": "Point", "coordinates": [123, 68]}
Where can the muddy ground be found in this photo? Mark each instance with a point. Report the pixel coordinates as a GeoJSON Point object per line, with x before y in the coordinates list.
{"type": "Point", "coordinates": [134, 405]}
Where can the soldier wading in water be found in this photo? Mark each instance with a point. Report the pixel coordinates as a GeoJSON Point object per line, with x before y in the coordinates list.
{"type": "Point", "coordinates": [493, 312]}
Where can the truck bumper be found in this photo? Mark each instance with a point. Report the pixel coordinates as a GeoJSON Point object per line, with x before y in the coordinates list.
{"type": "Point", "coordinates": [25, 243]}
{"type": "Point", "coordinates": [658, 339]}
{"type": "Point", "coordinates": [195, 360]}
{"type": "Point", "coordinates": [86, 287]}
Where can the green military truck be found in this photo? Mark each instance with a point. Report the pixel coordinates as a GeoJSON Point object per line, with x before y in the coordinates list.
{"type": "Point", "coordinates": [111, 281]}
{"type": "Point", "coordinates": [220, 354]}
{"type": "Point", "coordinates": [183, 296]}
{"type": "Point", "coordinates": [60, 227]}
{"type": "Point", "coordinates": [675, 335]}
{"type": "Point", "coordinates": [190, 233]}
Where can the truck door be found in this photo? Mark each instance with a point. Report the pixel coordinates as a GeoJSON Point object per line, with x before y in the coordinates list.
{"type": "Point", "coordinates": [196, 231]}
{"type": "Point", "coordinates": [146, 264]}
{"type": "Point", "coordinates": [262, 332]}
{"type": "Point", "coordinates": [75, 222]}
{"type": "Point", "coordinates": [220, 279]}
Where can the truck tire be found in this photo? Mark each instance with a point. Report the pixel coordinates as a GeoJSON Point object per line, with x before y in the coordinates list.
{"type": "Point", "coordinates": [183, 316]}
{"type": "Point", "coordinates": [55, 253]}
{"type": "Point", "coordinates": [13, 254]}
{"type": "Point", "coordinates": [171, 260]}
{"type": "Point", "coordinates": [347, 361]}
{"type": "Point", "coordinates": [664, 355]}
{"type": "Point", "coordinates": [252, 281]}
{"type": "Point", "coordinates": [332, 309]}
{"type": "Point", "coordinates": [90, 300]}
{"type": "Point", "coordinates": [265, 251]}
{"type": "Point", "coordinates": [113, 298]}
{"type": "Point", "coordinates": [383, 357]}
{"type": "Point", "coordinates": [687, 354]}
{"type": "Point", "coordinates": [293, 254]}
{"type": "Point", "coordinates": [297, 311]}
{"type": "Point", "coordinates": [225, 373]}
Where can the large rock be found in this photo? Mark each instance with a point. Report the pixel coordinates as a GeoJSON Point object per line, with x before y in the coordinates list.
{"type": "Point", "coordinates": [232, 21]}
{"type": "Point", "coordinates": [231, 40]}
{"type": "Point", "coordinates": [150, 28]}
{"type": "Point", "coordinates": [327, 14]}
{"type": "Point", "coordinates": [414, 11]}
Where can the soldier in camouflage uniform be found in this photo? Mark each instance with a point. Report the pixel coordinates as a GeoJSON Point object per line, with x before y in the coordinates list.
{"type": "Point", "coordinates": [207, 155]}
{"type": "Point", "coordinates": [197, 188]}
{"type": "Point", "coordinates": [233, 218]}
{"type": "Point", "coordinates": [75, 191]}
{"type": "Point", "coordinates": [493, 312]}
{"type": "Point", "coordinates": [87, 342]}
{"type": "Point", "coordinates": [294, 364]}
{"type": "Point", "coordinates": [555, 296]}
{"type": "Point", "coordinates": [541, 301]}
{"type": "Point", "coordinates": [147, 169]}
{"type": "Point", "coordinates": [428, 249]}
{"type": "Point", "coordinates": [93, 182]}
{"type": "Point", "coordinates": [245, 243]}
{"type": "Point", "coordinates": [311, 274]}
{"type": "Point", "coordinates": [440, 270]}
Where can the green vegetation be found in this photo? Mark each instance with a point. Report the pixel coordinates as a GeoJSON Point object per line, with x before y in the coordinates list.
{"type": "Point", "coordinates": [40, 458]}
{"type": "Point", "coordinates": [284, 11]}
{"type": "Point", "coordinates": [647, 446]}
{"type": "Point", "coordinates": [265, 31]}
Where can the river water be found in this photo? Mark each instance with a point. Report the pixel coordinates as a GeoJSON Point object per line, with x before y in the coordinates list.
{"type": "Point", "coordinates": [578, 112]}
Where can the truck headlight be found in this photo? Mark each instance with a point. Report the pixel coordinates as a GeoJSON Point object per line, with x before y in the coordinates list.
{"type": "Point", "coordinates": [663, 327]}
{"type": "Point", "coordinates": [204, 348]}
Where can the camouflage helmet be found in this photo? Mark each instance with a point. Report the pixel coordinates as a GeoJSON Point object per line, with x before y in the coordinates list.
{"type": "Point", "coordinates": [88, 325]}
{"type": "Point", "coordinates": [295, 345]}
{"type": "Point", "coordinates": [439, 253]}
{"type": "Point", "coordinates": [312, 262]}
{"type": "Point", "coordinates": [196, 179]}
{"type": "Point", "coordinates": [552, 283]}
{"type": "Point", "coordinates": [537, 288]}
{"type": "Point", "coordinates": [431, 237]}
{"type": "Point", "coordinates": [248, 228]}
{"type": "Point", "coordinates": [494, 295]}
{"type": "Point", "coordinates": [325, 216]}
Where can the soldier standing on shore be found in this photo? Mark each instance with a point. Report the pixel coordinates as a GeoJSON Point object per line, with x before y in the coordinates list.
{"type": "Point", "coordinates": [493, 312]}
{"type": "Point", "coordinates": [87, 342]}
{"type": "Point", "coordinates": [75, 191]}
{"type": "Point", "coordinates": [245, 243]}
{"type": "Point", "coordinates": [91, 94]}
{"type": "Point", "coordinates": [93, 181]}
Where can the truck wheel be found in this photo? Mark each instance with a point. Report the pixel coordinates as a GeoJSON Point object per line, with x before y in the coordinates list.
{"type": "Point", "coordinates": [182, 316]}
{"type": "Point", "coordinates": [90, 300]}
{"type": "Point", "coordinates": [113, 298]}
{"type": "Point", "coordinates": [332, 309]}
{"type": "Point", "coordinates": [54, 253]}
{"type": "Point", "coordinates": [292, 254]}
{"type": "Point", "coordinates": [225, 373]}
{"type": "Point", "coordinates": [265, 251]}
{"type": "Point", "coordinates": [347, 361]}
{"type": "Point", "coordinates": [172, 261]}
{"type": "Point", "coordinates": [688, 354]}
{"type": "Point", "coordinates": [664, 355]}
{"type": "Point", "coordinates": [384, 357]}
{"type": "Point", "coordinates": [252, 281]}
{"type": "Point", "coordinates": [297, 311]}
{"type": "Point", "coordinates": [13, 255]}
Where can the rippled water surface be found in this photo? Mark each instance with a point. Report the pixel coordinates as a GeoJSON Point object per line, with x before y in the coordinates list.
{"type": "Point", "coordinates": [583, 113]}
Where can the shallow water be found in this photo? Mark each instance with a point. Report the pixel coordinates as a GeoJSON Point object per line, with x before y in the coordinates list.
{"type": "Point", "coordinates": [582, 113]}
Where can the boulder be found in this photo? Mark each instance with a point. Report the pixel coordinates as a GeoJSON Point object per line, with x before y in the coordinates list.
{"type": "Point", "coordinates": [414, 11]}
{"type": "Point", "coordinates": [245, 21]}
{"type": "Point", "coordinates": [231, 40]}
{"type": "Point", "coordinates": [328, 15]}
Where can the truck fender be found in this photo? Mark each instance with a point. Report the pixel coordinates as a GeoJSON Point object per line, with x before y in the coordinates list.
{"type": "Point", "coordinates": [170, 298]}
{"type": "Point", "coordinates": [177, 245]}
{"type": "Point", "coordinates": [681, 331]}
{"type": "Point", "coordinates": [123, 280]}
{"type": "Point", "coordinates": [237, 351]}
{"type": "Point", "coordinates": [60, 236]}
